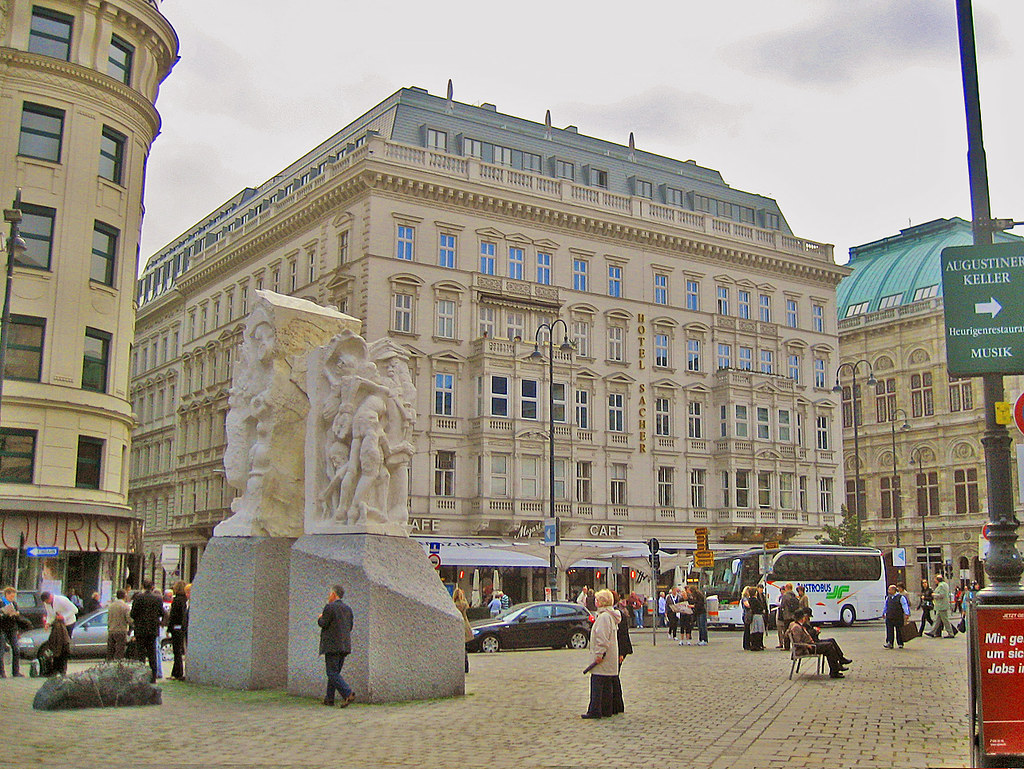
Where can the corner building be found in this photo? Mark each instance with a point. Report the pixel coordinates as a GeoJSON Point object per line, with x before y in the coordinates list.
{"type": "Point", "coordinates": [78, 81]}
{"type": "Point", "coordinates": [698, 393]}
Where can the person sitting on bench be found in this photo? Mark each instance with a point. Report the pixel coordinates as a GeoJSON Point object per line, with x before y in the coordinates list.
{"type": "Point", "coordinates": [805, 636]}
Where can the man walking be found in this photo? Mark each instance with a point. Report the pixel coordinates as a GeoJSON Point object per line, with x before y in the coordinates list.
{"type": "Point", "coordinates": [897, 609]}
{"type": "Point", "coordinates": [335, 644]}
{"type": "Point", "coordinates": [940, 597]}
{"type": "Point", "coordinates": [148, 615]}
{"type": "Point", "coordinates": [118, 619]}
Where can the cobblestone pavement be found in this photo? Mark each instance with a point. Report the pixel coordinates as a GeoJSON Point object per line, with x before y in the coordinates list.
{"type": "Point", "coordinates": [713, 706]}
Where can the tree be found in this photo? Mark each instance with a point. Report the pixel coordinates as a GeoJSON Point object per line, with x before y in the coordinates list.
{"type": "Point", "coordinates": [848, 532]}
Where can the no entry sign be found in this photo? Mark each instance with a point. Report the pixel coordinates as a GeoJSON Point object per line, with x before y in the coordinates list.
{"type": "Point", "coordinates": [1018, 412]}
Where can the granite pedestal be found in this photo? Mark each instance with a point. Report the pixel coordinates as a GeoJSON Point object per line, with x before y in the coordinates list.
{"type": "Point", "coordinates": [238, 614]}
{"type": "Point", "coordinates": [408, 640]}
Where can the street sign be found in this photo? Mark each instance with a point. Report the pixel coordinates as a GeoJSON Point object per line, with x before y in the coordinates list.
{"type": "Point", "coordinates": [42, 552]}
{"type": "Point", "coordinates": [551, 532]}
{"type": "Point", "coordinates": [433, 547]}
{"type": "Point", "coordinates": [771, 545]}
{"type": "Point", "coordinates": [703, 559]}
{"type": "Point", "coordinates": [435, 558]}
{"type": "Point", "coordinates": [170, 557]}
{"type": "Point", "coordinates": [1018, 412]}
{"type": "Point", "coordinates": [929, 555]}
{"type": "Point", "coordinates": [899, 556]}
{"type": "Point", "coordinates": [984, 308]}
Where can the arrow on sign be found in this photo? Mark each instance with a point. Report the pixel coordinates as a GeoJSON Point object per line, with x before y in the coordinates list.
{"type": "Point", "coordinates": [42, 552]}
{"type": "Point", "coordinates": [991, 306]}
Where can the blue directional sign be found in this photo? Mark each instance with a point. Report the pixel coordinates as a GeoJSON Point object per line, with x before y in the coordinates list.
{"type": "Point", "coordinates": [433, 547]}
{"type": "Point", "coordinates": [551, 532]}
{"type": "Point", "coordinates": [42, 552]}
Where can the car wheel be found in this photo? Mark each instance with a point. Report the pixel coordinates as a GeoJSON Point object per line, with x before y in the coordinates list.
{"type": "Point", "coordinates": [847, 616]}
{"type": "Point", "coordinates": [489, 644]}
{"type": "Point", "coordinates": [578, 640]}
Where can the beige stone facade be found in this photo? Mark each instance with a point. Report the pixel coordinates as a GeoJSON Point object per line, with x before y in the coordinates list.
{"type": "Point", "coordinates": [699, 391]}
{"type": "Point", "coordinates": [78, 82]}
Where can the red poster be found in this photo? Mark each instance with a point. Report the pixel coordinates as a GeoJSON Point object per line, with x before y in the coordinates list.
{"type": "Point", "coordinates": [1001, 679]}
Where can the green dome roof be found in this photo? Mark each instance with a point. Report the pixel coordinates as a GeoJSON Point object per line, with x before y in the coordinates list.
{"type": "Point", "coordinates": [902, 268]}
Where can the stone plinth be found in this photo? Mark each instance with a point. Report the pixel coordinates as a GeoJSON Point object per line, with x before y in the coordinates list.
{"type": "Point", "coordinates": [238, 614]}
{"type": "Point", "coordinates": [407, 639]}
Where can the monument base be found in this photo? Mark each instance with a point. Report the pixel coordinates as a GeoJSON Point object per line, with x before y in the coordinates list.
{"type": "Point", "coordinates": [408, 640]}
{"type": "Point", "coordinates": [238, 614]}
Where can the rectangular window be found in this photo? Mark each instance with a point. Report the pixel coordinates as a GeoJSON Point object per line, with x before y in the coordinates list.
{"type": "Point", "coordinates": [515, 324]}
{"type": "Point", "coordinates": [802, 492]}
{"type": "Point", "coordinates": [666, 477]}
{"type": "Point", "coordinates": [660, 288]}
{"type": "Point", "coordinates": [119, 60]}
{"type": "Point", "coordinates": [792, 317]}
{"type": "Point", "coordinates": [785, 426]}
{"type": "Point", "coordinates": [502, 156]}
{"type": "Point", "coordinates": [87, 466]}
{"type": "Point", "coordinates": [446, 318]}
{"type": "Point", "coordinates": [343, 247]}
{"type": "Point", "coordinates": [692, 295]}
{"type": "Point", "coordinates": [528, 399]}
{"type": "Point", "coordinates": [644, 189]}
{"type": "Point", "coordinates": [487, 263]}
{"type": "Point", "coordinates": [693, 355]}
{"type": "Point", "coordinates": [764, 307]}
{"type": "Point", "coordinates": [544, 268]}
{"type": "Point", "coordinates": [446, 251]}
{"type": "Point", "coordinates": [825, 494]}
{"type": "Point", "coordinates": [926, 292]}
{"type": "Point", "coordinates": [927, 493]}
{"type": "Point", "coordinates": [794, 368]}
{"type": "Point", "coordinates": [499, 396]}
{"type": "Point", "coordinates": [17, 455]}
{"type": "Point", "coordinates": [965, 488]}
{"type": "Point", "coordinates": [743, 302]}
{"type": "Point", "coordinates": [403, 313]}
{"type": "Point", "coordinates": [486, 316]}
{"type": "Point", "coordinates": [695, 420]}
{"type": "Point", "coordinates": [584, 481]}
{"type": "Point", "coordinates": [890, 493]}
{"type": "Point", "coordinates": [444, 474]}
{"type": "Point", "coordinates": [614, 280]}
{"type": "Point", "coordinates": [922, 401]}
{"type": "Point", "coordinates": [579, 274]}
{"type": "Point", "coordinates": [724, 356]}
{"type": "Point", "coordinates": [698, 490]}
{"type": "Point", "coordinates": [558, 402]}
{"type": "Point", "coordinates": [564, 170]}
{"type": "Point", "coordinates": [529, 477]}
{"type": "Point", "coordinates": [662, 417]}
{"type": "Point", "coordinates": [25, 348]}
{"type": "Point", "coordinates": [819, 372]}
{"type": "Point", "coordinates": [581, 338]}
{"type": "Point", "coordinates": [723, 300]}
{"type": "Point", "coordinates": [617, 490]}
{"type": "Point", "coordinates": [764, 490]}
{"type": "Point", "coordinates": [473, 148]}
{"type": "Point", "coordinates": [742, 488]}
{"type": "Point", "coordinates": [860, 503]}
{"type": "Point", "coordinates": [499, 475]}
{"type": "Point", "coordinates": [437, 140]}
{"type": "Point", "coordinates": [404, 243]}
{"type": "Point", "coordinates": [104, 253]}
{"type": "Point", "coordinates": [50, 33]}
{"type": "Point", "coordinates": [885, 400]}
{"type": "Point", "coordinates": [516, 262]}
{"type": "Point", "coordinates": [818, 318]}
{"type": "Point", "coordinates": [763, 427]}
{"type": "Point", "coordinates": [598, 178]}
{"type": "Point", "coordinates": [583, 409]}
{"type": "Point", "coordinates": [42, 131]}
{"type": "Point", "coordinates": [961, 395]}
{"type": "Point", "coordinates": [95, 360]}
{"type": "Point", "coordinates": [767, 362]}
{"type": "Point", "coordinates": [742, 422]}
{"type": "Point", "coordinates": [661, 350]}
{"type": "Point", "coordinates": [821, 425]}
{"type": "Point", "coordinates": [444, 395]}
{"type": "Point", "coordinates": [615, 343]}
{"type": "Point", "coordinates": [616, 413]}
{"type": "Point", "coordinates": [746, 358]}
{"type": "Point", "coordinates": [786, 491]}
{"type": "Point", "coordinates": [726, 496]}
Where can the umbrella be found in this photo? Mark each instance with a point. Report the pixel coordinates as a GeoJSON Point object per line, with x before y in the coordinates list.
{"type": "Point", "coordinates": [475, 593]}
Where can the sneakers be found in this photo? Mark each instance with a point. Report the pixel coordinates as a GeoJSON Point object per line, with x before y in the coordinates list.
{"type": "Point", "coordinates": [689, 642]}
{"type": "Point", "coordinates": [886, 646]}
{"type": "Point", "coordinates": [702, 643]}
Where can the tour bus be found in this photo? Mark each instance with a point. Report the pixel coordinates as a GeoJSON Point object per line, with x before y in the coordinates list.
{"type": "Point", "coordinates": [844, 584]}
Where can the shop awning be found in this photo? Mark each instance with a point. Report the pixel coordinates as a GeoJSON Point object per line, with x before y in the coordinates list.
{"type": "Point", "coordinates": [507, 552]}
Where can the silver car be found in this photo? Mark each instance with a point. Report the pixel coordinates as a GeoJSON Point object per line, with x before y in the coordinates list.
{"type": "Point", "coordinates": [88, 639]}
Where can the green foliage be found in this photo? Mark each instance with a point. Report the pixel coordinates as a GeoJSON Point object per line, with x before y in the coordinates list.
{"type": "Point", "coordinates": [848, 532]}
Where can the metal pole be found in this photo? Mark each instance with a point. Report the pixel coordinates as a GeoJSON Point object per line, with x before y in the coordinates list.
{"type": "Point", "coordinates": [924, 514]}
{"type": "Point", "coordinates": [14, 217]}
{"type": "Point", "coordinates": [895, 493]}
{"type": "Point", "coordinates": [856, 455]}
{"type": "Point", "coordinates": [553, 575]}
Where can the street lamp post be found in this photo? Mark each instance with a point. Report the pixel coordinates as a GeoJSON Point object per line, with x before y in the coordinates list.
{"type": "Point", "coordinates": [897, 489]}
{"type": "Point", "coordinates": [853, 366]}
{"type": "Point", "coordinates": [916, 455]}
{"type": "Point", "coordinates": [536, 355]}
{"type": "Point", "coordinates": [15, 245]}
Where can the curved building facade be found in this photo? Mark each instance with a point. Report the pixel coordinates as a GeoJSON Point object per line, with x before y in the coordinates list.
{"type": "Point", "coordinates": [78, 83]}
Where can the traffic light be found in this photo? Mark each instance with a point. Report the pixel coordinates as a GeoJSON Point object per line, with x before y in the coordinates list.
{"type": "Point", "coordinates": [654, 545]}
{"type": "Point", "coordinates": [656, 561]}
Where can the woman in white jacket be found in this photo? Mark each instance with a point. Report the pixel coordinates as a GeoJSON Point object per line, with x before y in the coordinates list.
{"type": "Point", "coordinates": [604, 644]}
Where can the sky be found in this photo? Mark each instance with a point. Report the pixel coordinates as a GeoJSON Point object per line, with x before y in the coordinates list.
{"type": "Point", "coordinates": [849, 113]}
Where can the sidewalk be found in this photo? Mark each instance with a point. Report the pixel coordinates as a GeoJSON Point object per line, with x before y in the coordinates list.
{"type": "Point", "coordinates": [726, 708]}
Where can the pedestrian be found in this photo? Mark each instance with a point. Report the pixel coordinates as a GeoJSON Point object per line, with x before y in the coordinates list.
{"type": "Point", "coordinates": [661, 609]}
{"type": "Point", "coordinates": [92, 603]}
{"type": "Point", "coordinates": [494, 607]}
{"type": "Point", "coordinates": [941, 599]}
{"type": "Point", "coordinates": [636, 605]}
{"type": "Point", "coordinates": [148, 616]}
{"type": "Point", "coordinates": [785, 614]}
{"type": "Point", "coordinates": [58, 605]}
{"type": "Point", "coordinates": [625, 648]}
{"type": "Point", "coordinates": [118, 620]}
{"type": "Point", "coordinates": [177, 624]}
{"type": "Point", "coordinates": [75, 598]}
{"type": "Point", "coordinates": [459, 598]}
{"type": "Point", "coordinates": [758, 620]}
{"type": "Point", "coordinates": [335, 623]}
{"type": "Point", "coordinates": [604, 645]}
{"type": "Point", "coordinates": [746, 603]}
{"type": "Point", "coordinates": [802, 598]}
{"type": "Point", "coordinates": [925, 604]}
{"type": "Point", "coordinates": [506, 601]}
{"type": "Point", "coordinates": [897, 610]}
{"type": "Point", "coordinates": [591, 600]}
{"type": "Point", "coordinates": [59, 644]}
{"type": "Point", "coordinates": [685, 609]}
{"type": "Point", "coordinates": [11, 624]}
{"type": "Point", "coordinates": [700, 614]}
{"type": "Point", "coordinates": [802, 634]}
{"type": "Point", "coordinates": [670, 611]}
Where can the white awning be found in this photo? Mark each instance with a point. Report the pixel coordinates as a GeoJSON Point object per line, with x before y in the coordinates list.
{"type": "Point", "coordinates": [507, 552]}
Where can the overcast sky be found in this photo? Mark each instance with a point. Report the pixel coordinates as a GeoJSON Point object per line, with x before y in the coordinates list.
{"type": "Point", "coordinates": [848, 112]}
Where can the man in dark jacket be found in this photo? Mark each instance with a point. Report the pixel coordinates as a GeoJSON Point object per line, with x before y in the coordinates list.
{"type": "Point", "coordinates": [335, 644]}
{"type": "Point", "coordinates": [147, 616]}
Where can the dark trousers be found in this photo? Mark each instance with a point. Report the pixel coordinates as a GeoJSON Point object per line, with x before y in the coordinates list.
{"type": "Point", "coordinates": [117, 641]}
{"type": "Point", "coordinates": [178, 645]}
{"type": "Point", "coordinates": [602, 696]}
{"type": "Point", "coordinates": [746, 635]}
{"type": "Point", "coordinates": [147, 652]}
{"type": "Point", "coordinates": [10, 635]}
{"type": "Point", "coordinates": [832, 653]}
{"type": "Point", "coordinates": [673, 622]}
{"type": "Point", "coordinates": [894, 628]}
{"type": "Point", "coordinates": [926, 617]}
{"type": "Point", "coordinates": [333, 663]}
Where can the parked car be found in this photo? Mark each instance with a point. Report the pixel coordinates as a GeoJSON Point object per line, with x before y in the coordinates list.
{"type": "Point", "coordinates": [525, 625]}
{"type": "Point", "coordinates": [31, 606]}
{"type": "Point", "coordinates": [88, 639]}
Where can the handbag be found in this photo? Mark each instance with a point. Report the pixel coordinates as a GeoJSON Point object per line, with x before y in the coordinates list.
{"type": "Point", "coordinates": [684, 607]}
{"type": "Point", "coordinates": [910, 630]}
{"type": "Point", "coordinates": [757, 624]}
